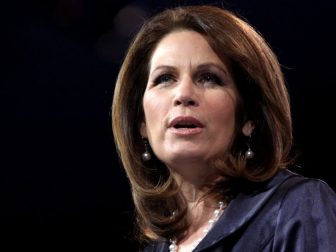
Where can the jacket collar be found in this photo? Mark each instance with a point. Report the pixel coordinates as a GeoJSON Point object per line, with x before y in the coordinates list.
{"type": "Point", "coordinates": [239, 211]}
{"type": "Point", "coordinates": [242, 208]}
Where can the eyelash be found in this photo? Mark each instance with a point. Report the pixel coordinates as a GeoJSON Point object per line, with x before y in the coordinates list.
{"type": "Point", "coordinates": [203, 78]}
{"type": "Point", "coordinates": [210, 78]}
{"type": "Point", "coordinates": [163, 79]}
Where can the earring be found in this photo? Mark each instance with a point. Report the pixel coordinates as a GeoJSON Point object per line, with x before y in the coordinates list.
{"type": "Point", "coordinates": [249, 153]}
{"type": "Point", "coordinates": [146, 156]}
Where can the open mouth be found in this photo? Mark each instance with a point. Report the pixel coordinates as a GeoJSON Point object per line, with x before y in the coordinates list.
{"type": "Point", "coordinates": [185, 125]}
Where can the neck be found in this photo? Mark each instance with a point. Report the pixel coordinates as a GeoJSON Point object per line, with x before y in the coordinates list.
{"type": "Point", "coordinates": [199, 227]}
{"type": "Point", "coordinates": [191, 180]}
{"type": "Point", "coordinates": [199, 209]}
{"type": "Point", "coordinates": [199, 213]}
{"type": "Point", "coordinates": [191, 171]}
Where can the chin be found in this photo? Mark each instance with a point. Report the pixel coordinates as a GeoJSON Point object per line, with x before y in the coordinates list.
{"type": "Point", "coordinates": [184, 156]}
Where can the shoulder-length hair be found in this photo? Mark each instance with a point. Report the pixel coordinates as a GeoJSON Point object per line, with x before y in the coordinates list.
{"type": "Point", "coordinates": [263, 100]}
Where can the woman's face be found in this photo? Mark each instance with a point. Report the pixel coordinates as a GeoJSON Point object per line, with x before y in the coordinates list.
{"type": "Point", "coordinates": [189, 102]}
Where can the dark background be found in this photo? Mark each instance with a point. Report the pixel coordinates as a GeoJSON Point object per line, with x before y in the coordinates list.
{"type": "Point", "coordinates": [61, 185]}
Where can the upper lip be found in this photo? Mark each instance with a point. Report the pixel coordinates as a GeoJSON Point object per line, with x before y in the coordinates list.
{"type": "Point", "coordinates": [185, 120]}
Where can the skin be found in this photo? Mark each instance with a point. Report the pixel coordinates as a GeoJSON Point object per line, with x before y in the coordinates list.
{"type": "Point", "coordinates": [188, 80]}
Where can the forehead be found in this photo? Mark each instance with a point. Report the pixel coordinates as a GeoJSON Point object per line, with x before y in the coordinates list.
{"type": "Point", "coordinates": [181, 45]}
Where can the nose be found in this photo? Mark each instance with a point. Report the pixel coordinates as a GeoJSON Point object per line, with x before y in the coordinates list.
{"type": "Point", "coordinates": [186, 94]}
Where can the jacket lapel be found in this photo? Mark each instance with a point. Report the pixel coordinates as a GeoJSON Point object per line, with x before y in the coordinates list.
{"type": "Point", "coordinates": [239, 212]}
{"type": "Point", "coordinates": [242, 209]}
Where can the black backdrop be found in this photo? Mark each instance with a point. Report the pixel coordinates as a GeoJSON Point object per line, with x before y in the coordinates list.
{"type": "Point", "coordinates": [61, 183]}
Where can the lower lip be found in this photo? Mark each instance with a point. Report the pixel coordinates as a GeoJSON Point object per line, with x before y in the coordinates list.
{"type": "Point", "coordinates": [186, 131]}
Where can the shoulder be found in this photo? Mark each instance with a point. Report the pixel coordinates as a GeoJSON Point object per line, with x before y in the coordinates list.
{"type": "Point", "coordinates": [303, 202]}
{"type": "Point", "coordinates": [292, 184]}
{"type": "Point", "coordinates": [307, 212]}
{"type": "Point", "coordinates": [305, 205]}
{"type": "Point", "coordinates": [301, 189]}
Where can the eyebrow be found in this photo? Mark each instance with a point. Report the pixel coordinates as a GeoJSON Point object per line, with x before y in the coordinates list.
{"type": "Point", "coordinates": [213, 65]}
{"type": "Point", "coordinates": [199, 67]}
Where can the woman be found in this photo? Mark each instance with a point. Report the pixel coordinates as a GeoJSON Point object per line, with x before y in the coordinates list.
{"type": "Point", "coordinates": [202, 124]}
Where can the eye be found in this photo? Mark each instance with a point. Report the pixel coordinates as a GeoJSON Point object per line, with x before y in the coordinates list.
{"type": "Point", "coordinates": [164, 78]}
{"type": "Point", "coordinates": [210, 78]}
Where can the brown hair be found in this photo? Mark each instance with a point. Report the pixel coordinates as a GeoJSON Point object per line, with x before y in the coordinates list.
{"type": "Point", "coordinates": [263, 100]}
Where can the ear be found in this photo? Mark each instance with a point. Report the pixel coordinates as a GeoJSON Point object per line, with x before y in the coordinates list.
{"type": "Point", "coordinates": [248, 128]}
{"type": "Point", "coordinates": [143, 130]}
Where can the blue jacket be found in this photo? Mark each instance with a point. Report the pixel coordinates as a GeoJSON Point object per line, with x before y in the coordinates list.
{"type": "Point", "coordinates": [290, 213]}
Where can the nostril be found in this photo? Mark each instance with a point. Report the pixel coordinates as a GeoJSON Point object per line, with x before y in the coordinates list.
{"type": "Point", "coordinates": [186, 101]}
{"type": "Point", "coordinates": [191, 102]}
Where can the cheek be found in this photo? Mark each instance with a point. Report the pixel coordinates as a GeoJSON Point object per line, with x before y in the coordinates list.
{"type": "Point", "coordinates": [224, 121]}
{"type": "Point", "coordinates": [154, 109]}
{"type": "Point", "coordinates": [223, 130]}
{"type": "Point", "coordinates": [223, 114]}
